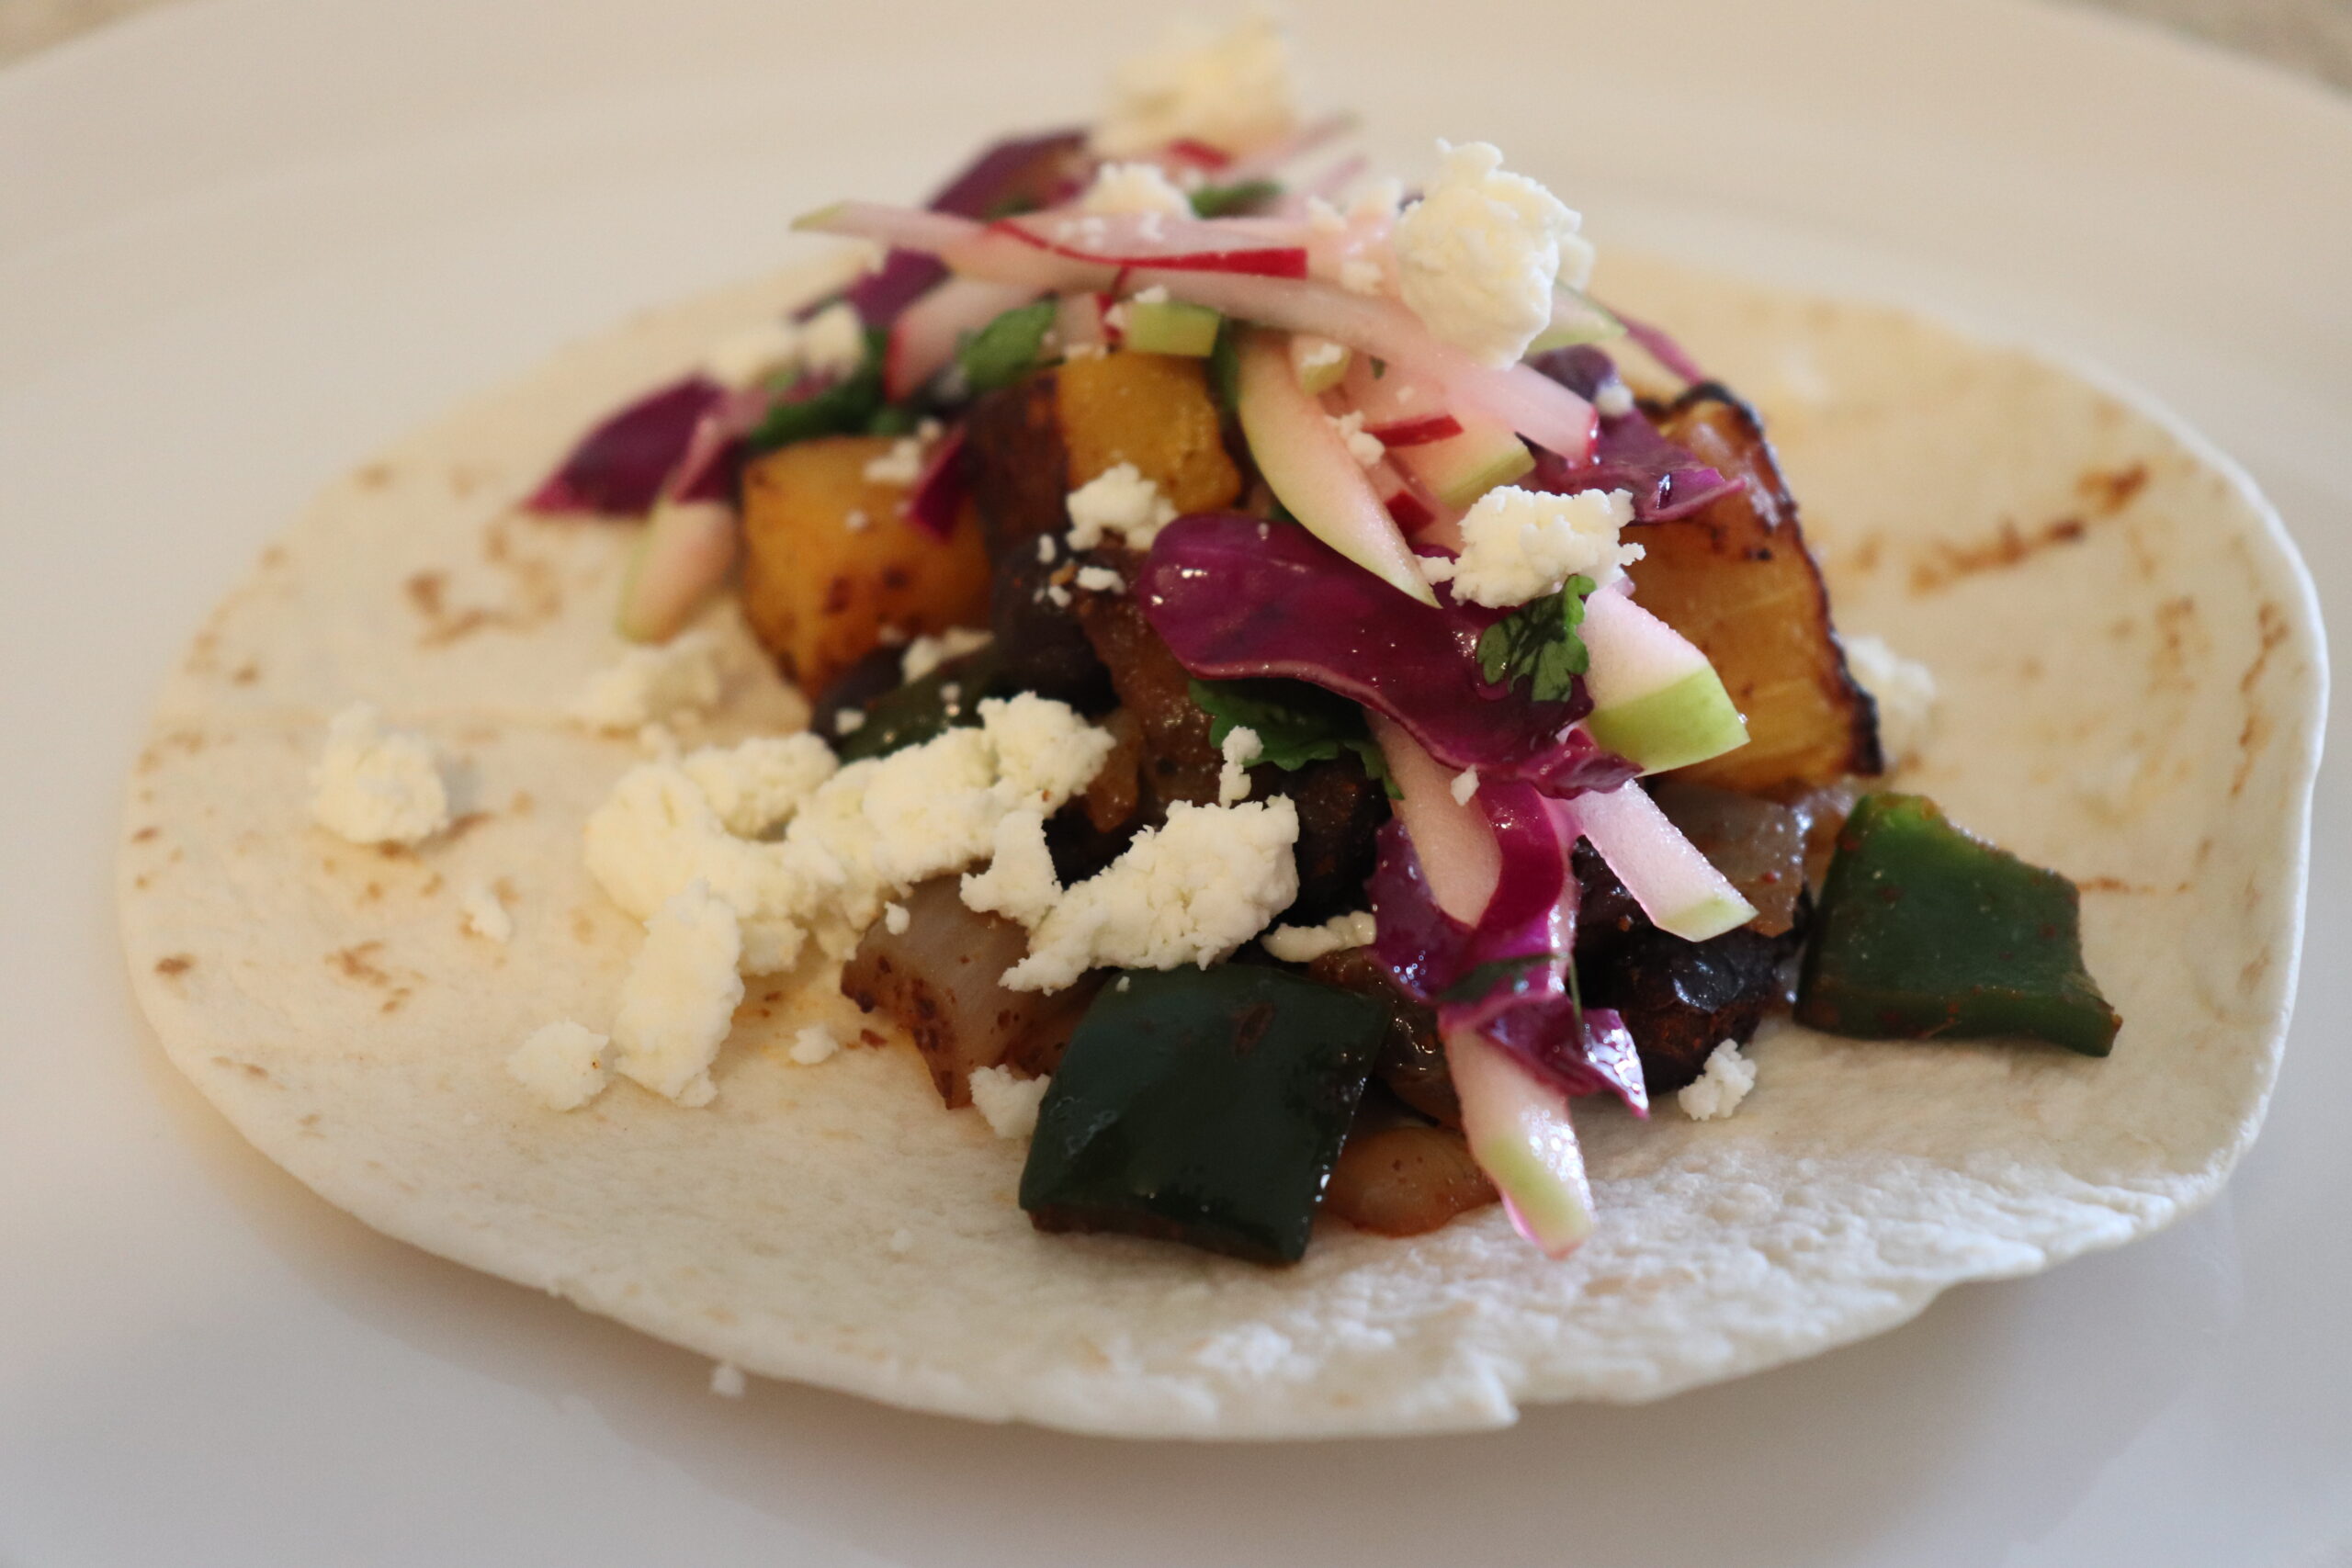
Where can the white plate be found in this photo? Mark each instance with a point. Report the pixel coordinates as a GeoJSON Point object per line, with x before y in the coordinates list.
{"type": "Point", "coordinates": [243, 242]}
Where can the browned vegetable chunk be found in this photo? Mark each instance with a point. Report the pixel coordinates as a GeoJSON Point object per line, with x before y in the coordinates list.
{"type": "Point", "coordinates": [1412, 1059]}
{"type": "Point", "coordinates": [1405, 1179]}
{"type": "Point", "coordinates": [1758, 844]}
{"type": "Point", "coordinates": [1736, 579]}
{"type": "Point", "coordinates": [820, 591]}
{"type": "Point", "coordinates": [1151, 409]}
{"type": "Point", "coordinates": [1032, 444]}
{"type": "Point", "coordinates": [937, 980]}
{"type": "Point", "coordinates": [1179, 761]}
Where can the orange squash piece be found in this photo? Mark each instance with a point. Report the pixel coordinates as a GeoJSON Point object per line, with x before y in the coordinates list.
{"type": "Point", "coordinates": [820, 591]}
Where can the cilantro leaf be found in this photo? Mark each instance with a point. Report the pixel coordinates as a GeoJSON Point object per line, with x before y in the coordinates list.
{"type": "Point", "coordinates": [1538, 644]}
{"type": "Point", "coordinates": [1003, 352]}
{"type": "Point", "coordinates": [1296, 722]}
{"type": "Point", "coordinates": [1224, 201]}
{"type": "Point", "coordinates": [1481, 982]}
{"type": "Point", "coordinates": [846, 407]}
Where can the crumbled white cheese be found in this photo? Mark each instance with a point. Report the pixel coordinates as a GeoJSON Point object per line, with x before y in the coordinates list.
{"type": "Point", "coordinates": [1519, 545]}
{"type": "Point", "coordinates": [1614, 400]}
{"type": "Point", "coordinates": [1189, 892]}
{"type": "Point", "coordinates": [1045, 549]}
{"type": "Point", "coordinates": [1304, 944]}
{"type": "Point", "coordinates": [1241, 747]}
{"type": "Point", "coordinates": [1118, 501]}
{"type": "Point", "coordinates": [1479, 254]}
{"type": "Point", "coordinates": [1101, 580]}
{"type": "Point", "coordinates": [833, 342]}
{"type": "Point", "coordinates": [814, 1044]}
{"type": "Point", "coordinates": [1155, 295]}
{"type": "Point", "coordinates": [1134, 188]}
{"type": "Point", "coordinates": [1056, 595]}
{"type": "Point", "coordinates": [374, 785]}
{"type": "Point", "coordinates": [1019, 882]}
{"type": "Point", "coordinates": [561, 1064]}
{"type": "Point", "coordinates": [727, 1381]}
{"type": "Point", "coordinates": [1904, 689]}
{"type": "Point", "coordinates": [679, 997]}
{"type": "Point", "coordinates": [1007, 1104]}
{"type": "Point", "coordinates": [650, 685]}
{"type": "Point", "coordinates": [856, 520]}
{"type": "Point", "coordinates": [849, 721]}
{"type": "Point", "coordinates": [1435, 568]}
{"type": "Point", "coordinates": [1232, 92]}
{"type": "Point", "coordinates": [1362, 446]}
{"type": "Point", "coordinates": [484, 915]}
{"type": "Point", "coordinates": [756, 785]}
{"type": "Point", "coordinates": [1323, 218]}
{"type": "Point", "coordinates": [1361, 275]}
{"type": "Point", "coordinates": [901, 465]}
{"type": "Point", "coordinates": [1464, 786]}
{"type": "Point", "coordinates": [897, 918]}
{"type": "Point", "coordinates": [927, 653]}
{"type": "Point", "coordinates": [891, 636]}
{"type": "Point", "coordinates": [1312, 354]}
{"type": "Point", "coordinates": [763, 353]}
{"type": "Point", "coordinates": [1718, 1090]}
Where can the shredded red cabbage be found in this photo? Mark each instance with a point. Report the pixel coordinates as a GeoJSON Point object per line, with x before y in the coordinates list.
{"type": "Point", "coordinates": [1665, 480]}
{"type": "Point", "coordinates": [1515, 958]}
{"type": "Point", "coordinates": [618, 468]}
{"type": "Point", "coordinates": [1234, 597]}
{"type": "Point", "coordinates": [1024, 171]}
{"type": "Point", "coordinates": [937, 496]}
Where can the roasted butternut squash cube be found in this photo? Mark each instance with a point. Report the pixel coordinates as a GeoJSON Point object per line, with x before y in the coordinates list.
{"type": "Point", "coordinates": [1736, 579]}
{"type": "Point", "coordinates": [830, 567]}
{"type": "Point", "coordinates": [1151, 409]}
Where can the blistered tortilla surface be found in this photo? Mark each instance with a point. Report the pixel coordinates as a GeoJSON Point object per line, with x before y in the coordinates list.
{"type": "Point", "coordinates": [2127, 657]}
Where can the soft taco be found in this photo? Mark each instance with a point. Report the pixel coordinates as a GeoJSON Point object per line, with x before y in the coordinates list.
{"type": "Point", "coordinates": [1169, 729]}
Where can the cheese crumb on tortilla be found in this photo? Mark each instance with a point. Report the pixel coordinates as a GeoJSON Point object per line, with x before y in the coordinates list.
{"type": "Point", "coordinates": [374, 785]}
{"type": "Point", "coordinates": [681, 995]}
{"type": "Point", "coordinates": [1006, 1103]}
{"type": "Point", "coordinates": [1719, 1089]}
{"type": "Point", "coordinates": [561, 1064]}
{"type": "Point", "coordinates": [650, 685]}
{"type": "Point", "coordinates": [814, 1044]}
{"type": "Point", "coordinates": [485, 914]}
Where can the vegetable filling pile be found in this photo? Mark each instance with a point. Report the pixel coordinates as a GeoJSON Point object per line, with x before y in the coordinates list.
{"type": "Point", "coordinates": [1302, 690]}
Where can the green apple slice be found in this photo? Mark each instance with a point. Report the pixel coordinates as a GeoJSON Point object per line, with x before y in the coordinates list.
{"type": "Point", "coordinates": [1519, 1132]}
{"type": "Point", "coordinates": [1171, 326]}
{"type": "Point", "coordinates": [1656, 700]}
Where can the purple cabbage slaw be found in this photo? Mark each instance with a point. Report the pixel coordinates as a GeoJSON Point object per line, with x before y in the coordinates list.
{"type": "Point", "coordinates": [1235, 596]}
{"type": "Point", "coordinates": [1527, 1010]}
{"type": "Point", "coordinates": [618, 468]}
{"type": "Point", "coordinates": [1665, 480]}
{"type": "Point", "coordinates": [1038, 171]}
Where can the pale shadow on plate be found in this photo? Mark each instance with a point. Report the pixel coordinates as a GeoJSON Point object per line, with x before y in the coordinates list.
{"type": "Point", "coordinates": [1845, 1457]}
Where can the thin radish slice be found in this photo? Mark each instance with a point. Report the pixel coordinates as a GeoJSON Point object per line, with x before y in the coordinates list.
{"type": "Point", "coordinates": [1673, 883]}
{"type": "Point", "coordinates": [1657, 700]}
{"type": "Point", "coordinates": [1085, 322]}
{"type": "Point", "coordinates": [1153, 240]}
{"type": "Point", "coordinates": [1270, 158]}
{"type": "Point", "coordinates": [1318, 363]}
{"type": "Point", "coordinates": [1311, 471]}
{"type": "Point", "coordinates": [687, 550]}
{"type": "Point", "coordinates": [1408, 507]}
{"type": "Point", "coordinates": [1456, 844]}
{"type": "Point", "coordinates": [923, 338]}
{"type": "Point", "coordinates": [1458, 468]}
{"type": "Point", "coordinates": [1399, 407]}
{"type": "Point", "coordinates": [1519, 1132]}
{"type": "Point", "coordinates": [1186, 151]}
{"type": "Point", "coordinates": [1528, 402]}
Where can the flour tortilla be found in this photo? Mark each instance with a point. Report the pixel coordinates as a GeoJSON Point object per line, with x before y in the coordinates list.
{"type": "Point", "coordinates": [2130, 681]}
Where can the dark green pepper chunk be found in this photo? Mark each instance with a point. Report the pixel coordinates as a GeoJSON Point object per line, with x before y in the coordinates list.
{"type": "Point", "coordinates": [1927, 932]}
{"type": "Point", "coordinates": [1205, 1106]}
{"type": "Point", "coordinates": [919, 710]}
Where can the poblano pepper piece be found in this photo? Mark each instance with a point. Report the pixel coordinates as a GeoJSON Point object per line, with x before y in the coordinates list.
{"type": "Point", "coordinates": [1205, 1106]}
{"type": "Point", "coordinates": [1927, 932]}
